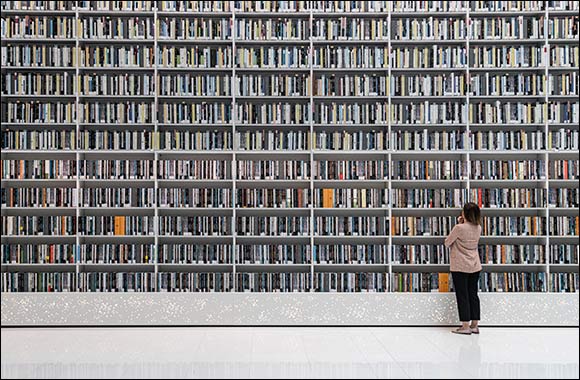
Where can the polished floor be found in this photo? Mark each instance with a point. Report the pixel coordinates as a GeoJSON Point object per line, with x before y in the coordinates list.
{"type": "Point", "coordinates": [276, 352]}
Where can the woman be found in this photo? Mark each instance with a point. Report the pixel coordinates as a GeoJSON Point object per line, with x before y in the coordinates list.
{"type": "Point", "coordinates": [465, 267]}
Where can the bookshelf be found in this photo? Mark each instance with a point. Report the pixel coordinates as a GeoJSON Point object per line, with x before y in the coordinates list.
{"type": "Point", "coordinates": [208, 146]}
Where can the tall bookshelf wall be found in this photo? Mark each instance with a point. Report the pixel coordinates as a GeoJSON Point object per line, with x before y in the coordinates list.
{"type": "Point", "coordinates": [287, 145]}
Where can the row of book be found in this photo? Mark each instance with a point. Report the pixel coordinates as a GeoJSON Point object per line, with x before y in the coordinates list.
{"type": "Point", "coordinates": [351, 198]}
{"type": "Point", "coordinates": [281, 225]}
{"type": "Point", "coordinates": [431, 198]}
{"type": "Point", "coordinates": [516, 226]}
{"type": "Point", "coordinates": [117, 169]}
{"type": "Point", "coordinates": [112, 196]}
{"type": "Point", "coordinates": [514, 197]}
{"type": "Point", "coordinates": [35, 55]}
{"type": "Point", "coordinates": [93, 84]}
{"type": "Point", "coordinates": [32, 27]}
{"type": "Point", "coordinates": [295, 140]}
{"type": "Point", "coordinates": [350, 85]}
{"type": "Point", "coordinates": [328, 29]}
{"type": "Point", "coordinates": [347, 57]}
{"type": "Point", "coordinates": [87, 225]}
{"type": "Point", "coordinates": [201, 197]}
{"type": "Point", "coordinates": [564, 197]}
{"type": "Point", "coordinates": [370, 6]}
{"type": "Point", "coordinates": [429, 170]}
{"type": "Point", "coordinates": [275, 198]}
{"type": "Point", "coordinates": [273, 170]}
{"type": "Point", "coordinates": [515, 6]}
{"type": "Point", "coordinates": [491, 226]}
{"type": "Point", "coordinates": [278, 282]}
{"type": "Point", "coordinates": [274, 254]}
{"type": "Point", "coordinates": [499, 112]}
{"type": "Point", "coordinates": [273, 226]}
{"type": "Point", "coordinates": [116, 253]}
{"type": "Point", "coordinates": [272, 29]}
{"type": "Point", "coordinates": [196, 113]}
{"type": "Point", "coordinates": [428, 28]}
{"type": "Point", "coordinates": [327, 57]}
{"type": "Point", "coordinates": [116, 281]}
{"type": "Point", "coordinates": [199, 254]}
{"type": "Point", "coordinates": [93, 225]}
{"type": "Point", "coordinates": [514, 139]}
{"type": "Point", "coordinates": [281, 6]}
{"type": "Point", "coordinates": [569, 226]}
{"type": "Point", "coordinates": [452, 84]}
{"type": "Point", "coordinates": [428, 140]}
{"type": "Point", "coordinates": [350, 28]}
{"type": "Point", "coordinates": [38, 169]}
{"type": "Point", "coordinates": [186, 84]}
{"type": "Point", "coordinates": [194, 169]}
{"type": "Point", "coordinates": [198, 197]}
{"type": "Point", "coordinates": [349, 254]}
{"type": "Point", "coordinates": [90, 27]}
{"type": "Point", "coordinates": [507, 28]}
{"type": "Point", "coordinates": [273, 85]}
{"type": "Point", "coordinates": [350, 170]}
{"type": "Point", "coordinates": [57, 84]}
{"type": "Point", "coordinates": [185, 29]}
{"type": "Point", "coordinates": [564, 169]}
{"type": "Point", "coordinates": [419, 254]}
{"type": "Point", "coordinates": [218, 253]}
{"type": "Point", "coordinates": [38, 225]}
{"type": "Point", "coordinates": [194, 225]}
{"type": "Point", "coordinates": [39, 197]}
{"type": "Point", "coordinates": [491, 84]}
{"type": "Point", "coordinates": [508, 169]}
{"type": "Point", "coordinates": [350, 225]}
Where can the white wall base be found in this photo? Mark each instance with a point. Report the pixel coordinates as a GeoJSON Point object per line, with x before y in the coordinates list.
{"type": "Point", "coordinates": [294, 309]}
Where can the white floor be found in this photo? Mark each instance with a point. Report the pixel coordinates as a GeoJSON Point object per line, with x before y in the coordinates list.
{"type": "Point", "coordinates": [306, 352]}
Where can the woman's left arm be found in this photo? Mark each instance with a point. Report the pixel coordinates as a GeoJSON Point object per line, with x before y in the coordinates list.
{"type": "Point", "coordinates": [453, 235]}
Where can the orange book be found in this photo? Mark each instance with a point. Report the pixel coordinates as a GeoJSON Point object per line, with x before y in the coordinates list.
{"type": "Point", "coordinates": [443, 282]}
{"type": "Point", "coordinates": [119, 225]}
{"type": "Point", "coordinates": [327, 200]}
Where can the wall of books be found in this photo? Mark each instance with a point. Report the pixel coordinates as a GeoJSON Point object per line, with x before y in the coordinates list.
{"type": "Point", "coordinates": [287, 146]}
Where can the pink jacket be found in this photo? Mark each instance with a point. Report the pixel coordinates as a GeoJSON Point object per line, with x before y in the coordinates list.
{"type": "Point", "coordinates": [463, 241]}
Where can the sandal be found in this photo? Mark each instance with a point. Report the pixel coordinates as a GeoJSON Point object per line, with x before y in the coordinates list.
{"type": "Point", "coordinates": [474, 330]}
{"type": "Point", "coordinates": [461, 331]}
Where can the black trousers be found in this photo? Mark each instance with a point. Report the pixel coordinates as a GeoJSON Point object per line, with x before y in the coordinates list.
{"type": "Point", "coordinates": [465, 285]}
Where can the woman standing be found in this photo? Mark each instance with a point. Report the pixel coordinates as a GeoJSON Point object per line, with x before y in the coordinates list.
{"type": "Point", "coordinates": [466, 266]}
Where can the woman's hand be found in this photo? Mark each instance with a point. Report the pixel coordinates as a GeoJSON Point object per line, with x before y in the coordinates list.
{"type": "Point", "coordinates": [460, 220]}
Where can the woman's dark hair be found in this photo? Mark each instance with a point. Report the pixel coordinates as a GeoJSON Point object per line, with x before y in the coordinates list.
{"type": "Point", "coordinates": [471, 213]}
